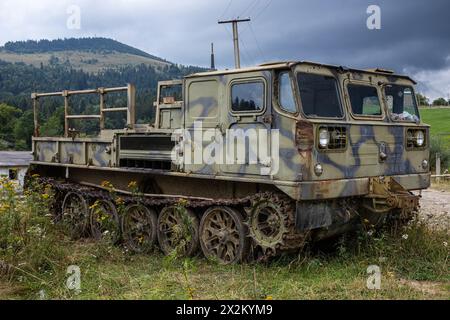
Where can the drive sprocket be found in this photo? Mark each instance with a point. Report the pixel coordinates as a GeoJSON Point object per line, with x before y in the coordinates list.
{"type": "Point", "coordinates": [270, 221]}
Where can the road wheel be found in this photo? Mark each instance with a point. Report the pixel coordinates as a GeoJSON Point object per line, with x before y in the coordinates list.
{"type": "Point", "coordinates": [75, 215]}
{"type": "Point", "coordinates": [223, 235]}
{"type": "Point", "coordinates": [139, 228]}
{"type": "Point", "coordinates": [178, 231]}
{"type": "Point", "coordinates": [104, 221]}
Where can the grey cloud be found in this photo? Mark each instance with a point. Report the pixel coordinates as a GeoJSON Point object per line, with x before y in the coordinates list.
{"type": "Point", "coordinates": [414, 35]}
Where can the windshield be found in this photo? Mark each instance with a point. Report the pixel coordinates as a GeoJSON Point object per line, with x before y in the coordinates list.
{"type": "Point", "coordinates": [364, 100]}
{"type": "Point", "coordinates": [401, 103]}
{"type": "Point", "coordinates": [319, 95]}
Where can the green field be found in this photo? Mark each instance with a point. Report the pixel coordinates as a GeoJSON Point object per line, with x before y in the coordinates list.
{"type": "Point", "coordinates": [439, 119]}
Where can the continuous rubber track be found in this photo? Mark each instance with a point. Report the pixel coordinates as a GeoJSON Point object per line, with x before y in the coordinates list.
{"type": "Point", "coordinates": [290, 240]}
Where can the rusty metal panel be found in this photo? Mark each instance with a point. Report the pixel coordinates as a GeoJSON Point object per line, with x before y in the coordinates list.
{"type": "Point", "coordinates": [414, 181]}
{"type": "Point", "coordinates": [46, 151]}
{"type": "Point", "coordinates": [333, 189]}
{"type": "Point", "coordinates": [73, 153]}
{"type": "Point", "coordinates": [355, 187]}
{"type": "Point", "coordinates": [99, 154]}
{"type": "Point", "coordinates": [311, 215]}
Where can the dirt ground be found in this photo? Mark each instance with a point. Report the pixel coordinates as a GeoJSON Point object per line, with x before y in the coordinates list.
{"type": "Point", "coordinates": [435, 207]}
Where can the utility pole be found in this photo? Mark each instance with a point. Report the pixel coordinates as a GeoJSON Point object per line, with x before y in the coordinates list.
{"type": "Point", "coordinates": [234, 22]}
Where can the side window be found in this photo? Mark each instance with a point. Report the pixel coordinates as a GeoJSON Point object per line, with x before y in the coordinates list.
{"type": "Point", "coordinates": [170, 94]}
{"type": "Point", "coordinates": [319, 95]}
{"type": "Point", "coordinates": [364, 100]}
{"type": "Point", "coordinates": [247, 96]}
{"type": "Point", "coordinates": [285, 93]}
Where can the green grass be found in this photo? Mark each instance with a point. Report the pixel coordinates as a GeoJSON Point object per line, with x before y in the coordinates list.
{"type": "Point", "coordinates": [415, 268]}
{"type": "Point", "coordinates": [35, 255]}
{"type": "Point", "coordinates": [439, 120]}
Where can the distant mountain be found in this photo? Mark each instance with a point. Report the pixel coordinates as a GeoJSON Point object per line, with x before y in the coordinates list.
{"type": "Point", "coordinates": [74, 44]}
{"type": "Point", "coordinates": [91, 55]}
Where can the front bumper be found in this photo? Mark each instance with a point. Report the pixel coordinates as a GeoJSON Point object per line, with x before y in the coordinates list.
{"type": "Point", "coordinates": [331, 189]}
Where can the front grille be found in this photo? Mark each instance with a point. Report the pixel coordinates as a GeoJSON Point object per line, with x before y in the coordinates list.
{"type": "Point", "coordinates": [146, 151]}
{"type": "Point", "coordinates": [410, 140]}
{"type": "Point", "coordinates": [155, 143]}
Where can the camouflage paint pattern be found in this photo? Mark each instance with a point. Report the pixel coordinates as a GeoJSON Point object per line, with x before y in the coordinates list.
{"type": "Point", "coordinates": [207, 98]}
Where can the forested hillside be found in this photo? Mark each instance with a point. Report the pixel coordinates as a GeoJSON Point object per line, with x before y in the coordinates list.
{"type": "Point", "coordinates": [74, 44]}
{"type": "Point", "coordinates": [19, 80]}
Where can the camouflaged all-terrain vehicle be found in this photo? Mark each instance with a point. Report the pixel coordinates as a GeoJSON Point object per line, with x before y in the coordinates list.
{"type": "Point", "coordinates": [346, 148]}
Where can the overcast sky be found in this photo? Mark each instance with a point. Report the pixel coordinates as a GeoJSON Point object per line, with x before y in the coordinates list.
{"type": "Point", "coordinates": [414, 37]}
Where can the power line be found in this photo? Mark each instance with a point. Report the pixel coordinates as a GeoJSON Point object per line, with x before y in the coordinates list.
{"type": "Point", "coordinates": [236, 33]}
{"type": "Point", "coordinates": [226, 9]}
{"type": "Point", "coordinates": [252, 4]}
{"type": "Point", "coordinates": [263, 9]}
{"type": "Point", "coordinates": [251, 60]}
{"type": "Point", "coordinates": [231, 35]}
{"type": "Point", "coordinates": [235, 22]}
{"type": "Point", "coordinates": [256, 40]}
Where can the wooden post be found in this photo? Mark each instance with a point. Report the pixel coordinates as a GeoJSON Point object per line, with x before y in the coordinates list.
{"type": "Point", "coordinates": [131, 113]}
{"type": "Point", "coordinates": [35, 114]}
{"type": "Point", "coordinates": [102, 107]}
{"type": "Point", "coordinates": [156, 105]}
{"type": "Point", "coordinates": [66, 113]}
{"type": "Point", "coordinates": [438, 167]}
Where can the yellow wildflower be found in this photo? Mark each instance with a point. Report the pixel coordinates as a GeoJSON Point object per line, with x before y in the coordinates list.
{"type": "Point", "coordinates": [119, 201]}
{"type": "Point", "coordinates": [132, 185]}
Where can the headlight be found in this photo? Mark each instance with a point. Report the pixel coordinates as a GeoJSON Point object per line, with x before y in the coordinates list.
{"type": "Point", "coordinates": [420, 138]}
{"type": "Point", "coordinates": [324, 138]}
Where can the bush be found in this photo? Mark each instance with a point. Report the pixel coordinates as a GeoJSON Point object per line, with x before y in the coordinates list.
{"type": "Point", "coordinates": [29, 242]}
{"type": "Point", "coordinates": [438, 146]}
{"type": "Point", "coordinates": [417, 251]}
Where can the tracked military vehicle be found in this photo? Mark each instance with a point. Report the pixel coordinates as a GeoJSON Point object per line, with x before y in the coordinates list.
{"type": "Point", "coordinates": [343, 149]}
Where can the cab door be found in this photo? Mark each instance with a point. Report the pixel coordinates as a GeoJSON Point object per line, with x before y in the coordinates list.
{"type": "Point", "coordinates": [202, 114]}
{"type": "Point", "coordinates": [248, 124]}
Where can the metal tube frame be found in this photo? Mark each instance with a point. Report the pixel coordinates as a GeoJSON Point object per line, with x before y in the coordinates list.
{"type": "Point", "coordinates": [130, 109]}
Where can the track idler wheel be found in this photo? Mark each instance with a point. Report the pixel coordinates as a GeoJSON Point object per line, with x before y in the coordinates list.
{"type": "Point", "coordinates": [139, 227]}
{"type": "Point", "coordinates": [223, 235]}
{"type": "Point", "coordinates": [178, 231]}
{"type": "Point", "coordinates": [104, 221]}
{"type": "Point", "coordinates": [75, 215]}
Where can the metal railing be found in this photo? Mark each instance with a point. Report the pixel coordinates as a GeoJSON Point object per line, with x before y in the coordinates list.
{"type": "Point", "coordinates": [130, 109]}
{"type": "Point", "coordinates": [438, 176]}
